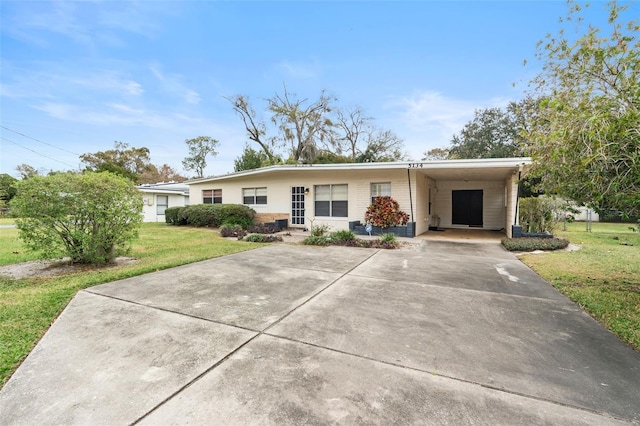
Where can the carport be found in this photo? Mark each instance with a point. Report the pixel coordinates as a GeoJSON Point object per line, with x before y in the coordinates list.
{"type": "Point", "coordinates": [480, 194]}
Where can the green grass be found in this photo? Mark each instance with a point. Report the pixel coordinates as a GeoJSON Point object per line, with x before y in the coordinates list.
{"type": "Point", "coordinates": [603, 276]}
{"type": "Point", "coordinates": [29, 306]}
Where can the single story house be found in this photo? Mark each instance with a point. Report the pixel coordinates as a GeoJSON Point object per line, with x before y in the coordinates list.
{"type": "Point", "coordinates": [435, 194]}
{"type": "Point", "coordinates": [158, 197]}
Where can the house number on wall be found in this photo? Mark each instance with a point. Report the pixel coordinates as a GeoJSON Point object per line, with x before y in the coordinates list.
{"type": "Point", "coordinates": [416, 165]}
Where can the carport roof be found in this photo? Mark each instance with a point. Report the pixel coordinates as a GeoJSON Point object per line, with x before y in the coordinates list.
{"type": "Point", "coordinates": [476, 169]}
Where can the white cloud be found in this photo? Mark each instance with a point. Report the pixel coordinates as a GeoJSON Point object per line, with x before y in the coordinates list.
{"type": "Point", "coordinates": [172, 83]}
{"type": "Point", "coordinates": [299, 69]}
{"type": "Point", "coordinates": [429, 119]}
{"type": "Point", "coordinates": [134, 88]}
{"type": "Point", "coordinates": [111, 115]}
{"type": "Point", "coordinates": [88, 23]}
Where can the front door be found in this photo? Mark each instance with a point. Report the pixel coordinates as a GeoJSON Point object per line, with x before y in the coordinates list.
{"type": "Point", "coordinates": [297, 205]}
{"type": "Point", "coordinates": [466, 207]}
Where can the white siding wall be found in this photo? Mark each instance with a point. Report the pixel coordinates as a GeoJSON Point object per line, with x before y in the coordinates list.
{"type": "Point", "coordinates": [279, 191]}
{"type": "Point", "coordinates": [493, 202]}
{"type": "Point", "coordinates": [420, 183]}
{"type": "Point", "coordinates": [150, 200]}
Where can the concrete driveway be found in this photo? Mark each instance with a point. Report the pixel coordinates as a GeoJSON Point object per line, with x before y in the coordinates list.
{"type": "Point", "coordinates": [444, 333]}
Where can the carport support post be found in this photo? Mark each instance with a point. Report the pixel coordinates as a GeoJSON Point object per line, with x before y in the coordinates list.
{"type": "Point", "coordinates": [410, 196]}
{"type": "Point", "coordinates": [516, 229]}
{"type": "Point", "coordinates": [515, 219]}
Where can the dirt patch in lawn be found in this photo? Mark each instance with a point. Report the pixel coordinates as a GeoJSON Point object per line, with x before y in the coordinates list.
{"type": "Point", "coordinates": [52, 268]}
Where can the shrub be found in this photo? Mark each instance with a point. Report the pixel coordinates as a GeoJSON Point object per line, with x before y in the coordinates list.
{"type": "Point", "coordinates": [316, 240]}
{"type": "Point", "coordinates": [385, 212]}
{"type": "Point", "coordinates": [360, 243]}
{"type": "Point", "coordinates": [342, 236]}
{"type": "Point", "coordinates": [540, 214]}
{"type": "Point", "coordinates": [232, 231]}
{"type": "Point", "coordinates": [201, 215]}
{"type": "Point", "coordinates": [262, 238]}
{"type": "Point", "coordinates": [320, 230]}
{"type": "Point", "coordinates": [263, 229]}
{"type": "Point", "coordinates": [388, 238]}
{"type": "Point", "coordinates": [531, 244]}
{"type": "Point", "coordinates": [90, 217]}
{"type": "Point", "coordinates": [237, 214]}
{"type": "Point", "coordinates": [213, 215]}
{"type": "Point", "coordinates": [175, 216]}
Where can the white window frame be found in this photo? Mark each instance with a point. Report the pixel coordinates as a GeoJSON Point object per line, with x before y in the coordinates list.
{"type": "Point", "coordinates": [257, 197]}
{"type": "Point", "coordinates": [331, 200]}
{"type": "Point", "coordinates": [378, 190]}
{"type": "Point", "coordinates": [215, 199]}
{"type": "Point", "coordinates": [160, 208]}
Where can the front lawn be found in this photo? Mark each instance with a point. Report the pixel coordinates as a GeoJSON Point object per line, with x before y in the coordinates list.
{"type": "Point", "coordinates": [603, 276]}
{"type": "Point", "coordinates": [29, 306]}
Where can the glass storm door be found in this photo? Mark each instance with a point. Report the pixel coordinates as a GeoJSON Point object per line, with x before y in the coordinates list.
{"type": "Point", "coordinates": [297, 205]}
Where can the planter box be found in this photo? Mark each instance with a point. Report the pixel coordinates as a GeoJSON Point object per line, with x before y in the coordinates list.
{"type": "Point", "coordinates": [408, 231]}
{"type": "Point", "coordinates": [516, 232]}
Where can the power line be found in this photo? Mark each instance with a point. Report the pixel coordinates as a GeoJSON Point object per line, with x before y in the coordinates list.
{"type": "Point", "coordinates": [36, 152]}
{"type": "Point", "coordinates": [38, 140]}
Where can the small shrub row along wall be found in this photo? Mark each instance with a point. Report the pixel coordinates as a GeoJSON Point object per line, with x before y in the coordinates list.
{"type": "Point", "coordinates": [531, 244]}
{"type": "Point", "coordinates": [262, 238]}
{"type": "Point", "coordinates": [213, 215]}
{"type": "Point", "coordinates": [238, 232]}
{"type": "Point", "coordinates": [348, 238]}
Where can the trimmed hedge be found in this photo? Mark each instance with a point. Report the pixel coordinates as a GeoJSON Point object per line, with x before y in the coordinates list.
{"type": "Point", "coordinates": [173, 216]}
{"type": "Point", "coordinates": [212, 215]}
{"type": "Point", "coordinates": [235, 214]}
{"type": "Point", "coordinates": [262, 238]}
{"type": "Point", "coordinates": [531, 244]}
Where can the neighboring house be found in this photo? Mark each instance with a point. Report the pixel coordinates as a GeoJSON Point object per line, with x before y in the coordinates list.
{"type": "Point", "coordinates": [445, 194]}
{"type": "Point", "coordinates": [585, 213]}
{"type": "Point", "coordinates": [159, 196]}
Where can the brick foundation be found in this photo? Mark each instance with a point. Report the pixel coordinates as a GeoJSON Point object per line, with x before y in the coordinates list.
{"type": "Point", "coordinates": [270, 217]}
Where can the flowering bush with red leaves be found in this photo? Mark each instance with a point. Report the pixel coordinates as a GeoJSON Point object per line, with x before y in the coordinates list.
{"type": "Point", "coordinates": [385, 212]}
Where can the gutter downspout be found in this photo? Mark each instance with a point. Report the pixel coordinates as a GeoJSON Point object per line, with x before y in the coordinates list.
{"type": "Point", "coordinates": [410, 196]}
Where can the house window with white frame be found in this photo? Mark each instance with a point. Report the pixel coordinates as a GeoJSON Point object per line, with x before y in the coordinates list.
{"type": "Point", "coordinates": [162, 202]}
{"type": "Point", "coordinates": [380, 189]}
{"type": "Point", "coordinates": [212, 196]}
{"type": "Point", "coordinates": [252, 196]}
{"type": "Point", "coordinates": [331, 200]}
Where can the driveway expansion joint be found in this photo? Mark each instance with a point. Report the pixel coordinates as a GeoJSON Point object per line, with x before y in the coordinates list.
{"type": "Point", "coordinates": [445, 376]}
{"type": "Point", "coordinates": [317, 293]}
{"type": "Point", "coordinates": [233, 352]}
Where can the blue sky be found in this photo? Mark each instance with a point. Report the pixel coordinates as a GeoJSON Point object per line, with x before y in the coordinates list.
{"type": "Point", "coordinates": [77, 76]}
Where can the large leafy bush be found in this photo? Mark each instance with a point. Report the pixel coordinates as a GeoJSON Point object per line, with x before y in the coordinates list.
{"type": "Point", "coordinates": [385, 212]}
{"type": "Point", "coordinates": [540, 214]}
{"type": "Point", "coordinates": [90, 217]}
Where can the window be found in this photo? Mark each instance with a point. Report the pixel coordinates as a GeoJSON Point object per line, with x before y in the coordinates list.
{"type": "Point", "coordinates": [212, 196]}
{"type": "Point", "coordinates": [380, 190]}
{"type": "Point", "coordinates": [162, 202]}
{"type": "Point", "coordinates": [254, 195]}
{"type": "Point", "coordinates": [331, 200]}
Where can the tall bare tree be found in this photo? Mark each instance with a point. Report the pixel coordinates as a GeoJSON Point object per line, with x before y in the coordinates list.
{"type": "Point", "coordinates": [304, 127]}
{"type": "Point", "coordinates": [256, 130]}
{"type": "Point", "coordinates": [354, 127]}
